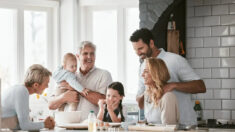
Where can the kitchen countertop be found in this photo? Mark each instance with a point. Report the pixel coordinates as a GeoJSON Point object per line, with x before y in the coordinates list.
{"type": "Point", "coordinates": [118, 130]}
{"type": "Point", "coordinates": [57, 129]}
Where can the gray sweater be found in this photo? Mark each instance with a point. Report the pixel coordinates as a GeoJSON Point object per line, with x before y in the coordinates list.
{"type": "Point", "coordinates": [15, 103]}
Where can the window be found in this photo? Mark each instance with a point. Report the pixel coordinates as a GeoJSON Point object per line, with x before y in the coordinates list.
{"type": "Point", "coordinates": [109, 28]}
{"type": "Point", "coordinates": [27, 37]}
{"type": "Point", "coordinates": [8, 47]}
{"type": "Point", "coordinates": [35, 38]}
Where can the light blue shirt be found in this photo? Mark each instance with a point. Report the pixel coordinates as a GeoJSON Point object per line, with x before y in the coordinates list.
{"type": "Point", "coordinates": [180, 71]}
{"type": "Point", "coordinates": [63, 75]}
{"type": "Point", "coordinates": [15, 102]}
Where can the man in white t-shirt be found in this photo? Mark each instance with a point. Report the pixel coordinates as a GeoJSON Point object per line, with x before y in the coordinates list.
{"type": "Point", "coordinates": [183, 82]}
{"type": "Point", "coordinates": [90, 77]}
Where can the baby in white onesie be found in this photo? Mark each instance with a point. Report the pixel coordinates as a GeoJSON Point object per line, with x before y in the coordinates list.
{"type": "Point", "coordinates": [67, 73]}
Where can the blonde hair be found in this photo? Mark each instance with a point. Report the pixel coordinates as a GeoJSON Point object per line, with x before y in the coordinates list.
{"type": "Point", "coordinates": [36, 74]}
{"type": "Point", "coordinates": [69, 56]}
{"type": "Point", "coordinates": [85, 44]}
{"type": "Point", "coordinates": [160, 76]}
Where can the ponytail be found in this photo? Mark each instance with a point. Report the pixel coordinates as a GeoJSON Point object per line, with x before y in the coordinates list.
{"type": "Point", "coordinates": [121, 112]}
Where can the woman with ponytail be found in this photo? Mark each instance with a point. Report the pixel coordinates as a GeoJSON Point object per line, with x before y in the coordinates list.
{"type": "Point", "coordinates": [160, 107]}
{"type": "Point", "coordinates": [110, 109]}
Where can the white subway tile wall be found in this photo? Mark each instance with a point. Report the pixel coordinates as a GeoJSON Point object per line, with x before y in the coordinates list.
{"type": "Point", "coordinates": [222, 114]}
{"type": "Point", "coordinates": [211, 43]}
{"type": "Point", "coordinates": [233, 115]}
{"type": "Point", "coordinates": [211, 20]}
{"type": "Point", "coordinates": [232, 9]}
{"type": "Point", "coordinates": [232, 51]}
{"type": "Point", "coordinates": [220, 9]}
{"type": "Point", "coordinates": [213, 104]}
{"type": "Point", "coordinates": [207, 114]}
{"type": "Point", "coordinates": [203, 52]}
{"type": "Point", "coordinates": [210, 51]}
{"type": "Point", "coordinates": [220, 73]}
{"type": "Point", "coordinates": [232, 73]}
{"type": "Point", "coordinates": [204, 73]}
{"type": "Point", "coordinates": [220, 52]}
{"type": "Point", "coordinates": [219, 30]}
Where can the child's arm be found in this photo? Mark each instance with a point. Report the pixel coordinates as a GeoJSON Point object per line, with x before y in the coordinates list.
{"type": "Point", "coordinates": [111, 109]}
{"type": "Point", "coordinates": [73, 82]}
{"type": "Point", "coordinates": [100, 115]}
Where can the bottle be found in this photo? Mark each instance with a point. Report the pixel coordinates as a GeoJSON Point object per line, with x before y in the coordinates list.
{"type": "Point", "coordinates": [171, 23]}
{"type": "Point", "coordinates": [91, 122]}
{"type": "Point", "coordinates": [198, 110]}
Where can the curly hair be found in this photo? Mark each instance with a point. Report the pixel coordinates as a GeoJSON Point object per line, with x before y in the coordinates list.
{"type": "Point", "coordinates": [160, 76]}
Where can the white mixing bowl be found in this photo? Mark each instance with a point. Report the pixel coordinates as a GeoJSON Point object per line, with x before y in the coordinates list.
{"type": "Point", "coordinates": [68, 117]}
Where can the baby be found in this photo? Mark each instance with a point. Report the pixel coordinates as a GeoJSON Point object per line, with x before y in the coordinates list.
{"type": "Point", "coordinates": [67, 73]}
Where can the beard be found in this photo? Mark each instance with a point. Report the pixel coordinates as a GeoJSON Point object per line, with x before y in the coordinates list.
{"type": "Point", "coordinates": [146, 55]}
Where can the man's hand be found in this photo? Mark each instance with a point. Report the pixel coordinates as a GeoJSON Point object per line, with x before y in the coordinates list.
{"type": "Point", "coordinates": [168, 87]}
{"type": "Point", "coordinates": [71, 96]}
{"type": "Point", "coordinates": [65, 85]}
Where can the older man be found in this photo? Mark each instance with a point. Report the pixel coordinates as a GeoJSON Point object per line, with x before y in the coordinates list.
{"type": "Point", "coordinates": [183, 80]}
{"type": "Point", "coordinates": [90, 77]}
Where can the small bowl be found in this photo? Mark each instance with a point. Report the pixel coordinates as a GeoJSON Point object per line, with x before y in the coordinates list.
{"type": "Point", "coordinates": [68, 116]}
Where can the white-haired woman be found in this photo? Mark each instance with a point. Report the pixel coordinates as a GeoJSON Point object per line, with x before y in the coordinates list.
{"type": "Point", "coordinates": [15, 100]}
{"type": "Point", "coordinates": [160, 107]}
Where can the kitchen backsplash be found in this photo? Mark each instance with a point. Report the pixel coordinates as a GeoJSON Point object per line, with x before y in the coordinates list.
{"type": "Point", "coordinates": [210, 50]}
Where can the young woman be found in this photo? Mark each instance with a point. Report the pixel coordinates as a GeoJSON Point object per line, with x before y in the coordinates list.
{"type": "Point", "coordinates": [160, 107]}
{"type": "Point", "coordinates": [110, 109]}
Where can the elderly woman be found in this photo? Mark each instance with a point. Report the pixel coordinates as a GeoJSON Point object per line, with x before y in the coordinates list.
{"type": "Point", "coordinates": [15, 101]}
{"type": "Point", "coordinates": [160, 107]}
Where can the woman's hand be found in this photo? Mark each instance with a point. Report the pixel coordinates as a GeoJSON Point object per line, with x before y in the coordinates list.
{"type": "Point", "coordinates": [71, 96]}
{"type": "Point", "coordinates": [101, 103]}
{"type": "Point", "coordinates": [65, 85]}
{"type": "Point", "coordinates": [49, 122]}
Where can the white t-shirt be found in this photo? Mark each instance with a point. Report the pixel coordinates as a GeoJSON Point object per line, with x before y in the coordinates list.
{"type": "Point", "coordinates": [180, 71]}
{"type": "Point", "coordinates": [15, 103]}
{"type": "Point", "coordinates": [96, 80]}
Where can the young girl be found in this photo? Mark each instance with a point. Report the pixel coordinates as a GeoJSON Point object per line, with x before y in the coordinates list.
{"type": "Point", "coordinates": [110, 109]}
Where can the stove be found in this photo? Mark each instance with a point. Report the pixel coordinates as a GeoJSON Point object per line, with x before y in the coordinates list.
{"type": "Point", "coordinates": [217, 123]}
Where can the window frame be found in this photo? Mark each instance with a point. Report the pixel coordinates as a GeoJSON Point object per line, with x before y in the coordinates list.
{"type": "Point", "coordinates": [53, 48]}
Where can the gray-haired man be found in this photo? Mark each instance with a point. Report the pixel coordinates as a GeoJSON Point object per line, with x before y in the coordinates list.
{"type": "Point", "coordinates": [90, 77]}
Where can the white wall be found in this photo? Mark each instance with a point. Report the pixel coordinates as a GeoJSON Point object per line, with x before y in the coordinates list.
{"type": "Point", "coordinates": [211, 52]}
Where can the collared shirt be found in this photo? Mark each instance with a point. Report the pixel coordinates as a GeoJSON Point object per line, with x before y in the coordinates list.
{"type": "Point", "coordinates": [180, 71]}
{"type": "Point", "coordinates": [96, 80]}
{"type": "Point", "coordinates": [15, 109]}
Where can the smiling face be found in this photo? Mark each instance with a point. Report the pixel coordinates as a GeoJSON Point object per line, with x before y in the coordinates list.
{"type": "Point", "coordinates": [147, 76]}
{"type": "Point", "coordinates": [142, 49]}
{"type": "Point", "coordinates": [87, 58]}
{"type": "Point", "coordinates": [113, 96]}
